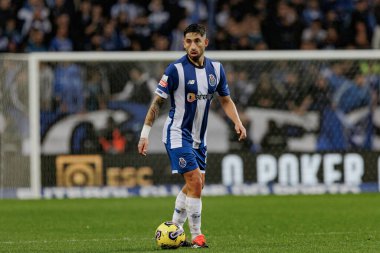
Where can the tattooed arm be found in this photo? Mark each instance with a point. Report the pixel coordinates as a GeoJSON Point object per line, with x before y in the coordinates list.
{"type": "Point", "coordinates": [154, 110]}
{"type": "Point", "coordinates": [151, 116]}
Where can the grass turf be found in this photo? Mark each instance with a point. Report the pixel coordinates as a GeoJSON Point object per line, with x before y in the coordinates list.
{"type": "Point", "coordinates": [322, 223]}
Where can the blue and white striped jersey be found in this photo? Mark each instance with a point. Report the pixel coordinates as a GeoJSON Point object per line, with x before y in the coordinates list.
{"type": "Point", "coordinates": [191, 90]}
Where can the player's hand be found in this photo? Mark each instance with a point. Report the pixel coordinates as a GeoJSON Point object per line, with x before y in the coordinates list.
{"type": "Point", "coordinates": [240, 130]}
{"type": "Point", "coordinates": [143, 146]}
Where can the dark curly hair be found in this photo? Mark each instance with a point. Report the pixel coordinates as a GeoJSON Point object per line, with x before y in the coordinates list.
{"type": "Point", "coordinates": [195, 28]}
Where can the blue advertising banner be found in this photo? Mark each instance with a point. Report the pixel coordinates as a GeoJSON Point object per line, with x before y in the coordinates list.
{"type": "Point", "coordinates": [239, 173]}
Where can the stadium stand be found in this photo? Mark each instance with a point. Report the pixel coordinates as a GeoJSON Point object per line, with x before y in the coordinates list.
{"type": "Point", "coordinates": [157, 25]}
{"type": "Point", "coordinates": [131, 25]}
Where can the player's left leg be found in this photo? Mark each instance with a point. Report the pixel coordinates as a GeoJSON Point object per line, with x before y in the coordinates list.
{"type": "Point", "coordinates": [193, 200]}
{"type": "Point", "coordinates": [199, 241]}
{"type": "Point", "coordinates": [182, 216]}
{"type": "Point", "coordinates": [195, 181]}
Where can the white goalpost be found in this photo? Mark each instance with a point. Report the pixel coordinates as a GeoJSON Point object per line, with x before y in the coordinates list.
{"type": "Point", "coordinates": [14, 182]}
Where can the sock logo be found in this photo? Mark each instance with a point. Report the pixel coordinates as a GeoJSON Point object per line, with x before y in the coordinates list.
{"type": "Point", "coordinates": [196, 215]}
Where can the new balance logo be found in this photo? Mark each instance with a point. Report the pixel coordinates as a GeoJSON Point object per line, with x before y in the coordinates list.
{"type": "Point", "coordinates": [191, 82]}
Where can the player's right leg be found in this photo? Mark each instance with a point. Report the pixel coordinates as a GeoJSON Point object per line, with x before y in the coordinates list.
{"type": "Point", "coordinates": [177, 158]}
{"type": "Point", "coordinates": [180, 214]}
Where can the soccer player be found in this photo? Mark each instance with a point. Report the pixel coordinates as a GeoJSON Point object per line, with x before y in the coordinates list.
{"type": "Point", "coordinates": [190, 82]}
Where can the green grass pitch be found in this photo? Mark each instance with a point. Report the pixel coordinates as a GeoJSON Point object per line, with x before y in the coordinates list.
{"type": "Point", "coordinates": [320, 223]}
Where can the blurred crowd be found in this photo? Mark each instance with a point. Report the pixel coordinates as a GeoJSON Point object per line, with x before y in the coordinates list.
{"type": "Point", "coordinates": [333, 89]}
{"type": "Point", "coordinates": [136, 25]}
{"type": "Point", "coordinates": [343, 93]}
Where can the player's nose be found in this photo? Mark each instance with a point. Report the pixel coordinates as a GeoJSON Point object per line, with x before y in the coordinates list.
{"type": "Point", "coordinates": [193, 46]}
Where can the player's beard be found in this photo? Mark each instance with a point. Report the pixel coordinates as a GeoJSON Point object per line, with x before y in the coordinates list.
{"type": "Point", "coordinates": [196, 57]}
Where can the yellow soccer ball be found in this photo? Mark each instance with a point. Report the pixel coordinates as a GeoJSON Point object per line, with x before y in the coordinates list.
{"type": "Point", "coordinates": [170, 235]}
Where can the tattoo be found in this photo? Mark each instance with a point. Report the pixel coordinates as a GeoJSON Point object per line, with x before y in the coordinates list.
{"type": "Point", "coordinates": [154, 110]}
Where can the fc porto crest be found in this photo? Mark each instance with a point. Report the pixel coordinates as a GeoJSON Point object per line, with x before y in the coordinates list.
{"type": "Point", "coordinates": [182, 162]}
{"type": "Point", "coordinates": [211, 80]}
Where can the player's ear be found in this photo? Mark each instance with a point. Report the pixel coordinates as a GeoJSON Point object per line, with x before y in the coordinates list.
{"type": "Point", "coordinates": [206, 42]}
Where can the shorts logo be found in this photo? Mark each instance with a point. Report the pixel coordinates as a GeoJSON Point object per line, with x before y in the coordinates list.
{"type": "Point", "coordinates": [191, 82]}
{"type": "Point", "coordinates": [212, 79]}
{"type": "Point", "coordinates": [182, 162]}
{"type": "Point", "coordinates": [164, 81]}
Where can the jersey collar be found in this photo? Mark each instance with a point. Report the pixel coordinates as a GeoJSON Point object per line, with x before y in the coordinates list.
{"type": "Point", "coordinates": [198, 67]}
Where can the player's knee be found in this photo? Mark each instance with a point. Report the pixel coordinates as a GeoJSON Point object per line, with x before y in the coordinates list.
{"type": "Point", "coordinates": [195, 184]}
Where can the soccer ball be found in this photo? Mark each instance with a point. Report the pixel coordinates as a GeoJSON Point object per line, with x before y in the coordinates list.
{"type": "Point", "coordinates": [170, 235]}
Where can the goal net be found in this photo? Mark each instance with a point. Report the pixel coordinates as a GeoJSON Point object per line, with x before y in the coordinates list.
{"type": "Point", "coordinates": [14, 126]}
{"type": "Point", "coordinates": [313, 121]}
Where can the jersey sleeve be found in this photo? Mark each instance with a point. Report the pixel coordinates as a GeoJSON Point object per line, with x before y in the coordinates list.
{"type": "Point", "coordinates": [168, 82]}
{"type": "Point", "coordinates": [222, 88]}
